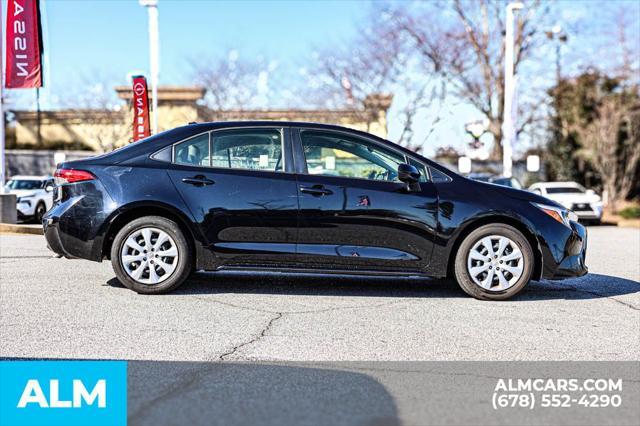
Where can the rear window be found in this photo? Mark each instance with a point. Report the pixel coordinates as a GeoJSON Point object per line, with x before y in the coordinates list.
{"type": "Point", "coordinates": [564, 190]}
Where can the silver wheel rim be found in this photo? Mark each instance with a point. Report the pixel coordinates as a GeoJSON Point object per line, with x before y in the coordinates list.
{"type": "Point", "coordinates": [149, 255]}
{"type": "Point", "coordinates": [495, 263]}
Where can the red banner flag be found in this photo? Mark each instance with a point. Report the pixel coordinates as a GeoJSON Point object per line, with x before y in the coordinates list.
{"type": "Point", "coordinates": [24, 45]}
{"type": "Point", "coordinates": [140, 108]}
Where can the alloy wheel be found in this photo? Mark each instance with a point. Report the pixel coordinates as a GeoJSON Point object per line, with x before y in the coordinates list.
{"type": "Point", "coordinates": [495, 263]}
{"type": "Point", "coordinates": [149, 255]}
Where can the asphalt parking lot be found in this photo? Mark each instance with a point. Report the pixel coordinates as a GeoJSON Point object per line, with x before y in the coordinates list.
{"type": "Point", "coordinates": [58, 308]}
{"type": "Point", "coordinates": [276, 334]}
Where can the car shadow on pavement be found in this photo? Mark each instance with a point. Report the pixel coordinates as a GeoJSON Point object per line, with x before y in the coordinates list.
{"type": "Point", "coordinates": [226, 393]}
{"type": "Point", "coordinates": [591, 286]}
{"type": "Point", "coordinates": [208, 393]}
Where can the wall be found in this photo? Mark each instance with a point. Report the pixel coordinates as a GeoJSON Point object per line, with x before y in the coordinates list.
{"type": "Point", "coordinates": [40, 162]}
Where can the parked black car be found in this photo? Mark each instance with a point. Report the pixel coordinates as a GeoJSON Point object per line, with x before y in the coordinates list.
{"type": "Point", "coordinates": [302, 197]}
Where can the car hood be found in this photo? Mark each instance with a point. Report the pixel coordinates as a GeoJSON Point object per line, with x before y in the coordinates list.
{"type": "Point", "coordinates": [516, 194]}
{"type": "Point", "coordinates": [23, 192]}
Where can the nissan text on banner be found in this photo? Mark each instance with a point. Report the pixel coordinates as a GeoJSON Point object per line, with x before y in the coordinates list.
{"type": "Point", "coordinates": [141, 128]}
{"type": "Point", "coordinates": [24, 45]}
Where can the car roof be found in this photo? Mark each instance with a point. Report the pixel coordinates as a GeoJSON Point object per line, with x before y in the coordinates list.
{"type": "Point", "coordinates": [212, 125]}
{"type": "Point", "coordinates": [30, 177]}
{"type": "Point", "coordinates": [555, 184]}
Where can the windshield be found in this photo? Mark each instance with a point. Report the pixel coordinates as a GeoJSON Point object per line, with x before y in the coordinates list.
{"type": "Point", "coordinates": [25, 184]}
{"type": "Point", "coordinates": [565, 190]}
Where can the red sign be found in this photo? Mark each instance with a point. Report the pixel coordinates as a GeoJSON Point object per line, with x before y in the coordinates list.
{"type": "Point", "coordinates": [140, 109]}
{"type": "Point", "coordinates": [24, 45]}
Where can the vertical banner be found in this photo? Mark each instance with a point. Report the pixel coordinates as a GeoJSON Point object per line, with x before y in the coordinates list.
{"type": "Point", "coordinates": [141, 128]}
{"type": "Point", "coordinates": [24, 45]}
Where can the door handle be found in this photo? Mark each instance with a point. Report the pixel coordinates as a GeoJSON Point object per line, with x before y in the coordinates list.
{"type": "Point", "coordinates": [198, 180]}
{"type": "Point", "coordinates": [317, 190]}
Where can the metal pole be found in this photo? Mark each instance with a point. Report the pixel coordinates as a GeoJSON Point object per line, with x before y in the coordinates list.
{"type": "Point", "coordinates": [508, 127]}
{"type": "Point", "coordinates": [2, 131]}
{"type": "Point", "coordinates": [38, 118]}
{"type": "Point", "coordinates": [154, 55]}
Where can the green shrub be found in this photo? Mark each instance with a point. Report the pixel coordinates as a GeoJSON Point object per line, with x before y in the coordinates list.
{"type": "Point", "coordinates": [631, 212]}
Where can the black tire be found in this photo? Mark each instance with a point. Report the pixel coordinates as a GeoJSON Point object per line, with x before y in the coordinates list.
{"type": "Point", "coordinates": [39, 212]}
{"type": "Point", "coordinates": [184, 263]}
{"type": "Point", "coordinates": [464, 278]}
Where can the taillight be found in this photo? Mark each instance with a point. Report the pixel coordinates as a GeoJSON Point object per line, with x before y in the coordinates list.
{"type": "Point", "coordinates": [63, 176]}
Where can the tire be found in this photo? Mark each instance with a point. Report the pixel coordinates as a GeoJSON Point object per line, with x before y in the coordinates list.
{"type": "Point", "coordinates": [39, 212]}
{"type": "Point", "coordinates": [506, 275]}
{"type": "Point", "coordinates": [169, 271]}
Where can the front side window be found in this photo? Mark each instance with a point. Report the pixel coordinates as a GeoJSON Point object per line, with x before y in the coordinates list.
{"type": "Point", "coordinates": [253, 149]}
{"type": "Point", "coordinates": [194, 151]}
{"type": "Point", "coordinates": [334, 154]}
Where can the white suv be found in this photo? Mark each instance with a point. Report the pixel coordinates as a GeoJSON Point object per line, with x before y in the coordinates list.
{"type": "Point", "coordinates": [34, 195]}
{"type": "Point", "coordinates": [584, 202]}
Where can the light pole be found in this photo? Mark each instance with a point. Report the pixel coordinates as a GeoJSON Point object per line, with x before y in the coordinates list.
{"type": "Point", "coordinates": [508, 127]}
{"type": "Point", "coordinates": [557, 33]}
{"type": "Point", "coordinates": [152, 9]}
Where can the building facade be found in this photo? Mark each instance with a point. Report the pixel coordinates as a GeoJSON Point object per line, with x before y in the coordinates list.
{"type": "Point", "coordinates": [104, 130]}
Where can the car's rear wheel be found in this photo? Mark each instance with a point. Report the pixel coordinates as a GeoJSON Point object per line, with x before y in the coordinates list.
{"type": "Point", "coordinates": [151, 255]}
{"type": "Point", "coordinates": [494, 262]}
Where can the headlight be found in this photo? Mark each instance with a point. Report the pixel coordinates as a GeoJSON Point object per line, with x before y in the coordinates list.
{"type": "Point", "coordinates": [25, 197]}
{"type": "Point", "coordinates": [563, 216]}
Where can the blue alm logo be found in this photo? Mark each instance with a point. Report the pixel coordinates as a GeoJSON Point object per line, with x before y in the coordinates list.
{"type": "Point", "coordinates": [65, 393]}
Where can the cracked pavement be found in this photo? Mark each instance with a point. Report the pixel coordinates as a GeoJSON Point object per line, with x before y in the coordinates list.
{"type": "Point", "coordinates": [58, 308]}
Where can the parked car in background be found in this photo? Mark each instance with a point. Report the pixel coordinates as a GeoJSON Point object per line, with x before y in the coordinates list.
{"type": "Point", "coordinates": [287, 197]}
{"type": "Point", "coordinates": [34, 195]}
{"type": "Point", "coordinates": [584, 202]}
{"type": "Point", "coordinates": [498, 180]}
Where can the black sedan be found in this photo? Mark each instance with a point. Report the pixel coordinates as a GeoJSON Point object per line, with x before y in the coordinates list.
{"type": "Point", "coordinates": [301, 197]}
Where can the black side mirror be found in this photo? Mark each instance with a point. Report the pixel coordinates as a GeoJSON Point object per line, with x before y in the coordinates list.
{"type": "Point", "coordinates": [408, 173]}
{"type": "Point", "coordinates": [410, 176]}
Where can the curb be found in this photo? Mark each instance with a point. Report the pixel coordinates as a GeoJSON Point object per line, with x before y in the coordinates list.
{"type": "Point", "coordinates": [21, 229]}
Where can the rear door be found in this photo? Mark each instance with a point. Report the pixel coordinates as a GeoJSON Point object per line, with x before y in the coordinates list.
{"type": "Point", "coordinates": [354, 213]}
{"type": "Point", "coordinates": [239, 187]}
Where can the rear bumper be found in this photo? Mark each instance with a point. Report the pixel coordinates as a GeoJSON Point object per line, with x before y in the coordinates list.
{"type": "Point", "coordinates": [73, 226]}
{"type": "Point", "coordinates": [54, 243]}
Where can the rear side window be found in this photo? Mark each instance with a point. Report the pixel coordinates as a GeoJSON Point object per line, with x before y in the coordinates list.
{"type": "Point", "coordinates": [194, 151]}
{"type": "Point", "coordinates": [438, 177]}
{"type": "Point", "coordinates": [252, 149]}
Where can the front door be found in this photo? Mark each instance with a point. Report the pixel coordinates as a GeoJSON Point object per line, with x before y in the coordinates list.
{"type": "Point", "coordinates": [354, 213]}
{"type": "Point", "coordinates": [237, 187]}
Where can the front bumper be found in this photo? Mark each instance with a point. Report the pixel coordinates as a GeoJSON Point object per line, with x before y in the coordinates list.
{"type": "Point", "coordinates": [573, 264]}
{"type": "Point", "coordinates": [26, 208]}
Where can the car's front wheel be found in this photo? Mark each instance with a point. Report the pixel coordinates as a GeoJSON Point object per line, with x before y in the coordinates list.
{"type": "Point", "coordinates": [151, 255]}
{"type": "Point", "coordinates": [39, 212]}
{"type": "Point", "coordinates": [494, 262]}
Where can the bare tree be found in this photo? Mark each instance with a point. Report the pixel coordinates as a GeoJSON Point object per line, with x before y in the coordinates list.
{"type": "Point", "coordinates": [611, 143]}
{"type": "Point", "coordinates": [378, 60]}
{"type": "Point", "coordinates": [96, 115]}
{"type": "Point", "coordinates": [467, 50]}
{"type": "Point", "coordinates": [370, 63]}
{"type": "Point", "coordinates": [235, 83]}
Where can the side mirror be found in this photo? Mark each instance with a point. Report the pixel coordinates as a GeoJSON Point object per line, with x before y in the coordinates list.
{"type": "Point", "coordinates": [408, 174]}
{"type": "Point", "coordinates": [590, 192]}
{"type": "Point", "coordinates": [49, 188]}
